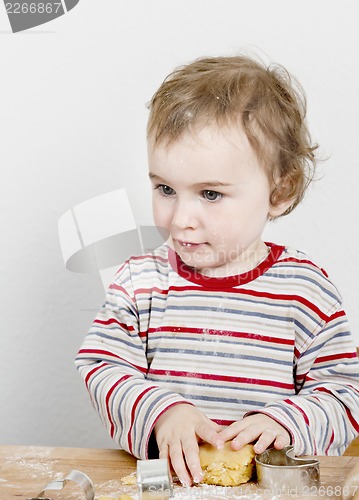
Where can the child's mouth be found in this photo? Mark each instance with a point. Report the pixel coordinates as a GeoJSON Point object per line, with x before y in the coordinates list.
{"type": "Point", "coordinates": [189, 244]}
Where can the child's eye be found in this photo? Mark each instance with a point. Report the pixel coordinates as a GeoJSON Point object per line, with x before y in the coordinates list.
{"type": "Point", "coordinates": [165, 190]}
{"type": "Point", "coordinates": [211, 195]}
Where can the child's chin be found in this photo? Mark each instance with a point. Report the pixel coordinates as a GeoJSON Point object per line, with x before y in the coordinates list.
{"type": "Point", "coordinates": [199, 267]}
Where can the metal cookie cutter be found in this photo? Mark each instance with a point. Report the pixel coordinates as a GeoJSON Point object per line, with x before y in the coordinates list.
{"type": "Point", "coordinates": [77, 477]}
{"type": "Point", "coordinates": [154, 479]}
{"type": "Point", "coordinates": [281, 471]}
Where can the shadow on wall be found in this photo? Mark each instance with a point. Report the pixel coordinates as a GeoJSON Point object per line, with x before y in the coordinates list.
{"type": "Point", "coordinates": [99, 234]}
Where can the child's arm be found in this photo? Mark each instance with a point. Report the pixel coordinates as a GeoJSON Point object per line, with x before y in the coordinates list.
{"type": "Point", "coordinates": [323, 417]}
{"type": "Point", "coordinates": [113, 364]}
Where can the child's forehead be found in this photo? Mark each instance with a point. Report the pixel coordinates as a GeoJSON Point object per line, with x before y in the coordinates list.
{"type": "Point", "coordinates": [209, 136]}
{"type": "Point", "coordinates": [211, 155]}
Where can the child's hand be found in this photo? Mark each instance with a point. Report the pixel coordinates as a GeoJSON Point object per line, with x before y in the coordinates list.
{"type": "Point", "coordinates": [177, 432]}
{"type": "Point", "coordinates": [256, 427]}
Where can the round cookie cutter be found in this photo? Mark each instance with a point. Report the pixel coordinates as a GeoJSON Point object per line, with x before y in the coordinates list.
{"type": "Point", "coordinates": [281, 471]}
{"type": "Point", "coordinates": [75, 476]}
{"type": "Point", "coordinates": [154, 482]}
{"type": "Point", "coordinates": [154, 479]}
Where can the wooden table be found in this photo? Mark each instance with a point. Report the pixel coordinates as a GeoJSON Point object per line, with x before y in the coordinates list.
{"type": "Point", "coordinates": [25, 470]}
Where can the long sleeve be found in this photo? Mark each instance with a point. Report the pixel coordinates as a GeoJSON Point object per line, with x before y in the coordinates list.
{"type": "Point", "coordinates": [278, 343]}
{"type": "Point", "coordinates": [113, 364]}
{"type": "Point", "coordinates": [323, 416]}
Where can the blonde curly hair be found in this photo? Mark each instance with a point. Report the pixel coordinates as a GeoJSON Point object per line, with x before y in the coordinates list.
{"type": "Point", "coordinates": [266, 101]}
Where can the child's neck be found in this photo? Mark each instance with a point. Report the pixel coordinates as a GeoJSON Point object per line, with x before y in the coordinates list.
{"type": "Point", "coordinates": [245, 262]}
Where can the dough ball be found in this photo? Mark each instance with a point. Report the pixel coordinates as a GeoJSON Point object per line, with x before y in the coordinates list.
{"type": "Point", "coordinates": [226, 467]}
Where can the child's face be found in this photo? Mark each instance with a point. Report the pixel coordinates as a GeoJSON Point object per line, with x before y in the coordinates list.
{"type": "Point", "coordinates": [212, 195]}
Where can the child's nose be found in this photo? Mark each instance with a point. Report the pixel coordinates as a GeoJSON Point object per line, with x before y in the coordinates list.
{"type": "Point", "coordinates": [184, 215]}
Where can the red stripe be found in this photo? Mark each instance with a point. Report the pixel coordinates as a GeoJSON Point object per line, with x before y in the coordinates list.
{"type": "Point", "coordinates": [115, 286]}
{"type": "Point", "coordinates": [227, 333]}
{"type": "Point", "coordinates": [150, 290]}
{"type": "Point", "coordinates": [354, 423]}
{"type": "Point", "coordinates": [139, 397]}
{"type": "Point", "coordinates": [221, 378]}
{"type": "Point", "coordinates": [299, 261]}
{"type": "Point", "coordinates": [229, 281]}
{"type": "Point", "coordinates": [293, 298]}
{"type": "Point", "coordinates": [300, 378]}
{"type": "Point", "coordinates": [330, 443]}
{"type": "Point", "coordinates": [107, 401]}
{"type": "Point", "coordinates": [271, 296]}
{"type": "Point", "coordinates": [150, 256]}
{"type": "Point", "coordinates": [94, 370]}
{"type": "Point", "coordinates": [290, 402]}
{"type": "Point", "coordinates": [337, 314]}
{"type": "Point", "coordinates": [323, 389]}
{"type": "Point", "coordinates": [111, 355]}
{"type": "Point", "coordinates": [330, 357]}
{"type": "Point", "coordinates": [113, 320]}
{"type": "Point", "coordinates": [223, 422]}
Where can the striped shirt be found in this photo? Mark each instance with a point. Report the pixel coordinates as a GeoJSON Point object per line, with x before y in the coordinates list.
{"type": "Point", "coordinates": [274, 340]}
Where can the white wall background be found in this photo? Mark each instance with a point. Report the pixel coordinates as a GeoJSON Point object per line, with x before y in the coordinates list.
{"type": "Point", "coordinates": [72, 122]}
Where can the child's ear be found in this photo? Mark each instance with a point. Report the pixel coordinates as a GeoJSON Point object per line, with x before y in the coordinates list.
{"type": "Point", "coordinates": [279, 208]}
{"type": "Point", "coordinates": [282, 198]}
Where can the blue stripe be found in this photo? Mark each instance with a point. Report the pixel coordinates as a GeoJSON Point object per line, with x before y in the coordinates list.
{"type": "Point", "coordinates": [292, 413]}
{"type": "Point", "coordinates": [150, 408]}
{"type": "Point", "coordinates": [225, 339]}
{"type": "Point", "coordinates": [120, 340]}
{"type": "Point", "coordinates": [254, 388]}
{"type": "Point", "coordinates": [304, 278]}
{"type": "Point", "coordinates": [254, 405]}
{"type": "Point", "coordinates": [219, 355]}
{"type": "Point", "coordinates": [273, 302]}
{"type": "Point", "coordinates": [233, 311]}
{"type": "Point", "coordinates": [132, 383]}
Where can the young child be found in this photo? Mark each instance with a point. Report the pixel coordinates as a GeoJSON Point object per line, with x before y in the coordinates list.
{"type": "Point", "coordinates": [217, 335]}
